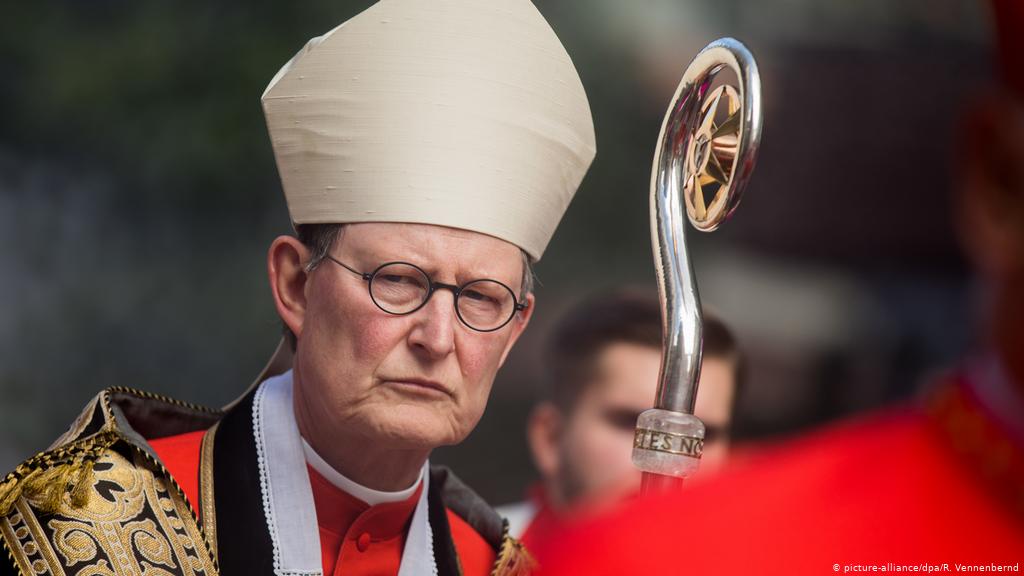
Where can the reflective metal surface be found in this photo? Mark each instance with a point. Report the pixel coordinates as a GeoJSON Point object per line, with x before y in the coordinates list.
{"type": "Point", "coordinates": [705, 154]}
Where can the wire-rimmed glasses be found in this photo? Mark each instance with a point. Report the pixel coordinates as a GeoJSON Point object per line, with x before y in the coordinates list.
{"type": "Point", "coordinates": [401, 288]}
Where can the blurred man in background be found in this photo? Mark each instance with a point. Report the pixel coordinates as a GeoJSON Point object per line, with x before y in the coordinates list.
{"type": "Point", "coordinates": [933, 486]}
{"type": "Point", "coordinates": [601, 372]}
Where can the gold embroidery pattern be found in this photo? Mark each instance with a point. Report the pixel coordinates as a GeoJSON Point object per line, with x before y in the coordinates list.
{"type": "Point", "coordinates": [21, 535]}
{"type": "Point", "coordinates": [513, 558]}
{"type": "Point", "coordinates": [46, 477]}
{"type": "Point", "coordinates": [207, 502]}
{"type": "Point", "coordinates": [132, 524]}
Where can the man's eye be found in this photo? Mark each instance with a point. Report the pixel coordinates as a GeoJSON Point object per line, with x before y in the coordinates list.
{"type": "Point", "coordinates": [477, 296]}
{"type": "Point", "coordinates": [622, 419]}
{"type": "Point", "coordinates": [397, 279]}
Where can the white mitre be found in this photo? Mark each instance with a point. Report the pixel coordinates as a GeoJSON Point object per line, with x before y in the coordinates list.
{"type": "Point", "coordinates": [461, 113]}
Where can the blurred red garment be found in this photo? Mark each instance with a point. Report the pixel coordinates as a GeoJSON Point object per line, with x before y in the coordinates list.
{"type": "Point", "coordinates": [931, 486]}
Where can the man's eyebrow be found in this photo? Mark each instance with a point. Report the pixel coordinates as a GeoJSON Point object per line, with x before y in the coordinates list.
{"type": "Point", "coordinates": [625, 411]}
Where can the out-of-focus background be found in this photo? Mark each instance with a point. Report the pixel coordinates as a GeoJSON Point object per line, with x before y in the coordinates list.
{"type": "Point", "coordinates": [138, 196]}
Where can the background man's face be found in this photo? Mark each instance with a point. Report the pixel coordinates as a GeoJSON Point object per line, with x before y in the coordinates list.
{"type": "Point", "coordinates": [597, 442]}
{"type": "Point", "coordinates": [714, 407]}
{"type": "Point", "coordinates": [404, 382]}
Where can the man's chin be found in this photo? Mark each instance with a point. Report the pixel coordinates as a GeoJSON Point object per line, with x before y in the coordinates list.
{"type": "Point", "coordinates": [414, 428]}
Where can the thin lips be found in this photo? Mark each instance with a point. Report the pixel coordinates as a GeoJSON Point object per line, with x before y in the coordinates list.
{"type": "Point", "coordinates": [421, 382]}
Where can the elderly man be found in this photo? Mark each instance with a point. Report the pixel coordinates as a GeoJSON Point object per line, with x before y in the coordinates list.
{"type": "Point", "coordinates": [427, 151]}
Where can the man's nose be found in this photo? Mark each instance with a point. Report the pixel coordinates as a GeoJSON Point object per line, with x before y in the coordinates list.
{"type": "Point", "coordinates": [433, 330]}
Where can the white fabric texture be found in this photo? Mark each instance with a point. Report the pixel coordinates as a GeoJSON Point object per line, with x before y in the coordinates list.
{"type": "Point", "coordinates": [418, 555]}
{"type": "Point", "coordinates": [288, 497]}
{"type": "Point", "coordinates": [460, 113]}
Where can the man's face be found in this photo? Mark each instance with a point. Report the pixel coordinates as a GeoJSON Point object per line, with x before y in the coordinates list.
{"type": "Point", "coordinates": [597, 442]}
{"type": "Point", "coordinates": [404, 382]}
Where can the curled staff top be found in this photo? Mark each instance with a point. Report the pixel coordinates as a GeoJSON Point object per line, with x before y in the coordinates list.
{"type": "Point", "coordinates": [707, 145]}
{"type": "Point", "coordinates": [716, 131]}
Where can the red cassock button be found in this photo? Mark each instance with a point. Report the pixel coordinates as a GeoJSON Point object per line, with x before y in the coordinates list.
{"type": "Point", "coordinates": [363, 542]}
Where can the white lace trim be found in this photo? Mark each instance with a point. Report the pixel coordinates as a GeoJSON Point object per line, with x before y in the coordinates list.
{"type": "Point", "coordinates": [284, 482]}
{"type": "Point", "coordinates": [418, 556]}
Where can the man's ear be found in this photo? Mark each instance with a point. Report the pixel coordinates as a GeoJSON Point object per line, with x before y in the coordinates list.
{"type": "Point", "coordinates": [518, 325]}
{"type": "Point", "coordinates": [286, 267]}
{"type": "Point", "coordinates": [544, 433]}
{"type": "Point", "coordinates": [989, 200]}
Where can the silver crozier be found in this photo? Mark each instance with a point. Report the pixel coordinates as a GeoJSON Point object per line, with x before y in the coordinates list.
{"type": "Point", "coordinates": [705, 154]}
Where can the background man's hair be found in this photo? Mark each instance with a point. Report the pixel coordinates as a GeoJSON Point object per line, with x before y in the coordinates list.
{"type": "Point", "coordinates": [319, 238]}
{"type": "Point", "coordinates": [623, 316]}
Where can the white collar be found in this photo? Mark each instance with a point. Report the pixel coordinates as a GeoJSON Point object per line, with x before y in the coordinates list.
{"type": "Point", "coordinates": [288, 497]}
{"type": "Point", "coordinates": [342, 482]}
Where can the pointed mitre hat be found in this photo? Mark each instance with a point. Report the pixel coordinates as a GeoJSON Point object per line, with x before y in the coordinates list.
{"type": "Point", "coordinates": [461, 113]}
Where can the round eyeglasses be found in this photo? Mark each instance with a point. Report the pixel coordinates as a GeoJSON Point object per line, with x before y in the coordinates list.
{"type": "Point", "coordinates": [401, 288]}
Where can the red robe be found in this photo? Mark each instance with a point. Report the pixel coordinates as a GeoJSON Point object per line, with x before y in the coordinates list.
{"type": "Point", "coordinates": [926, 487]}
{"type": "Point", "coordinates": [355, 539]}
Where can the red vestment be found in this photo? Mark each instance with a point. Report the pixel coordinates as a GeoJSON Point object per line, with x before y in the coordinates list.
{"type": "Point", "coordinates": [355, 539]}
